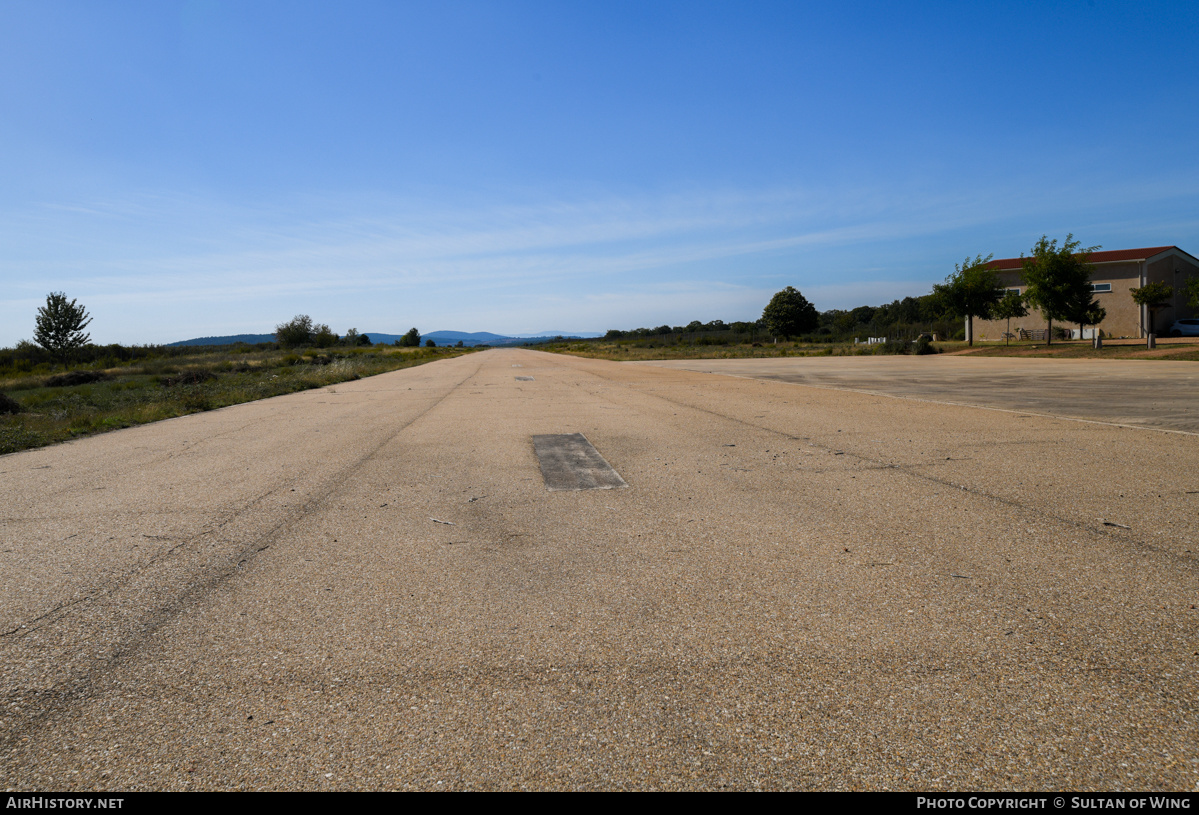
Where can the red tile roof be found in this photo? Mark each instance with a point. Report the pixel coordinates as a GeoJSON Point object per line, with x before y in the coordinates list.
{"type": "Point", "coordinates": [1006, 264]}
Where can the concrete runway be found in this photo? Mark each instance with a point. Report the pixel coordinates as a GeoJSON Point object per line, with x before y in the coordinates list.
{"type": "Point", "coordinates": [369, 586]}
{"type": "Point", "coordinates": [1142, 393]}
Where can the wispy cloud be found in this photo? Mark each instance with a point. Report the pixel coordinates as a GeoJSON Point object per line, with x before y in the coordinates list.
{"type": "Point", "coordinates": [504, 266]}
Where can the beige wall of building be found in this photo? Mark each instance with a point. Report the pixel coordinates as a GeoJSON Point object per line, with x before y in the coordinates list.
{"type": "Point", "coordinates": [1113, 279]}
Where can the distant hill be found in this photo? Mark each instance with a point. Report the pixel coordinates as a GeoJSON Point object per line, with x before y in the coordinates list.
{"type": "Point", "coordinates": [440, 337]}
{"type": "Point", "coordinates": [444, 338]}
{"type": "Point", "coordinates": [567, 334]}
{"type": "Point", "coordinates": [250, 339]}
{"type": "Point", "coordinates": [478, 336]}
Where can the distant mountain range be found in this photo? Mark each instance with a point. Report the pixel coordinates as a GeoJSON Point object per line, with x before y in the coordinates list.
{"type": "Point", "coordinates": [439, 337]}
{"type": "Point", "coordinates": [246, 338]}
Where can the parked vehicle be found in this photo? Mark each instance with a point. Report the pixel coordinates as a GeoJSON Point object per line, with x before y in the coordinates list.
{"type": "Point", "coordinates": [1185, 328]}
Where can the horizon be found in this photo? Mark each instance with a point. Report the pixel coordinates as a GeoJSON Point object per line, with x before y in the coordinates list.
{"type": "Point", "coordinates": [397, 334]}
{"type": "Point", "coordinates": [205, 170]}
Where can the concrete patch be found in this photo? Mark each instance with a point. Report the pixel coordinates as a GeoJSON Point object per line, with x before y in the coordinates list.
{"type": "Point", "coordinates": [569, 462]}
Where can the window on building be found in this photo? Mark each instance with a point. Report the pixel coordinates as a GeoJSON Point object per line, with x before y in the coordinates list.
{"type": "Point", "coordinates": [1098, 287]}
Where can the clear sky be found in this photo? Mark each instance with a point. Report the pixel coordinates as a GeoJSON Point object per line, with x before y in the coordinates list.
{"type": "Point", "coordinates": [200, 168]}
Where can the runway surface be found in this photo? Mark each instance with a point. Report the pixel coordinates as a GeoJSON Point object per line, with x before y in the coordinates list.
{"type": "Point", "coordinates": [1162, 394]}
{"type": "Point", "coordinates": [370, 586]}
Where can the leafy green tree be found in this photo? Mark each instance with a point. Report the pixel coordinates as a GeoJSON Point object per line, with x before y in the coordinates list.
{"type": "Point", "coordinates": [789, 314]}
{"type": "Point", "coordinates": [863, 315]}
{"type": "Point", "coordinates": [323, 336]}
{"type": "Point", "coordinates": [1009, 306]}
{"type": "Point", "coordinates": [1190, 290]}
{"type": "Point", "coordinates": [1087, 312]}
{"type": "Point", "coordinates": [294, 333]}
{"type": "Point", "coordinates": [430, 344]}
{"type": "Point", "coordinates": [411, 339]}
{"type": "Point", "coordinates": [971, 291]}
{"type": "Point", "coordinates": [59, 325]}
{"type": "Point", "coordinates": [1153, 296]}
{"type": "Point", "coordinates": [1058, 279]}
{"type": "Point", "coordinates": [843, 321]}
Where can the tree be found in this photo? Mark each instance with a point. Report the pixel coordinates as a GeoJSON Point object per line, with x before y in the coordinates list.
{"type": "Point", "coordinates": [323, 336]}
{"type": "Point", "coordinates": [789, 314]}
{"type": "Point", "coordinates": [411, 339]}
{"type": "Point", "coordinates": [863, 315]}
{"type": "Point", "coordinates": [1087, 312]}
{"type": "Point", "coordinates": [971, 291]}
{"type": "Point", "coordinates": [1191, 290]}
{"type": "Point", "coordinates": [1153, 296]}
{"type": "Point", "coordinates": [430, 344]}
{"type": "Point", "coordinates": [1009, 306]}
{"type": "Point", "coordinates": [1084, 308]}
{"type": "Point", "coordinates": [59, 324]}
{"type": "Point", "coordinates": [1057, 279]}
{"type": "Point", "coordinates": [294, 333]}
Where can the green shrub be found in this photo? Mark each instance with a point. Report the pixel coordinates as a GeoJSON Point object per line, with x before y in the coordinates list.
{"type": "Point", "coordinates": [71, 378]}
{"type": "Point", "coordinates": [9, 405]}
{"type": "Point", "coordinates": [187, 378]}
{"type": "Point", "coordinates": [196, 399]}
{"type": "Point", "coordinates": [924, 345]}
{"type": "Point", "coordinates": [14, 437]}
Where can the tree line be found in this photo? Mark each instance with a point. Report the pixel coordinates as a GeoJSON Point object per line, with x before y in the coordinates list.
{"type": "Point", "coordinates": [909, 315]}
{"type": "Point", "coordinates": [301, 332]}
{"type": "Point", "coordinates": [1057, 281]}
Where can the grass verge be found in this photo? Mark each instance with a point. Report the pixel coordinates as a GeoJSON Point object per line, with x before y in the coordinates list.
{"type": "Point", "coordinates": [626, 350]}
{"type": "Point", "coordinates": [1179, 350]}
{"type": "Point", "coordinates": [620, 350]}
{"type": "Point", "coordinates": [155, 389]}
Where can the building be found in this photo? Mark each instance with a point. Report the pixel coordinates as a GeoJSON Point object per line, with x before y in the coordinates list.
{"type": "Point", "coordinates": [1114, 274]}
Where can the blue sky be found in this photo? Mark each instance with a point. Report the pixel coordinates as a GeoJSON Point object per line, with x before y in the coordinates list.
{"type": "Point", "coordinates": [203, 168]}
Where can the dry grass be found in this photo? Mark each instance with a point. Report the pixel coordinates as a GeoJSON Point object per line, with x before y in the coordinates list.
{"type": "Point", "coordinates": [1175, 349]}
{"type": "Point", "coordinates": [53, 410]}
{"type": "Point", "coordinates": [628, 350]}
